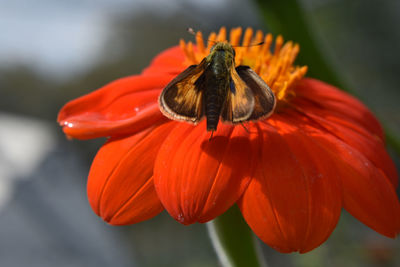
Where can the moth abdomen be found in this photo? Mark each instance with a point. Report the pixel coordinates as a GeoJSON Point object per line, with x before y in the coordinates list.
{"type": "Point", "coordinates": [213, 108]}
{"type": "Point", "coordinates": [212, 121]}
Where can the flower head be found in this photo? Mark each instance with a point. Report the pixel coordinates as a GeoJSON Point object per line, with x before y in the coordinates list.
{"type": "Point", "coordinates": [290, 173]}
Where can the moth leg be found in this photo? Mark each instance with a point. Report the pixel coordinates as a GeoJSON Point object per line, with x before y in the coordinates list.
{"type": "Point", "coordinates": [211, 136]}
{"type": "Point", "coordinates": [244, 127]}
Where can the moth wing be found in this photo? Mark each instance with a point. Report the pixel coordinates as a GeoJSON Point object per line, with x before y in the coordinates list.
{"type": "Point", "coordinates": [182, 98]}
{"type": "Point", "coordinates": [264, 98]}
{"type": "Point", "coordinates": [239, 104]}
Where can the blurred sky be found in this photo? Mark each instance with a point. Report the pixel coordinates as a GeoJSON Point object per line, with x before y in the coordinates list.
{"type": "Point", "coordinates": [62, 37]}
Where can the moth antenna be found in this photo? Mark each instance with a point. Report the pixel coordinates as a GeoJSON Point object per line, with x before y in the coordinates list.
{"type": "Point", "coordinates": [260, 43]}
{"type": "Point", "coordinates": [192, 32]}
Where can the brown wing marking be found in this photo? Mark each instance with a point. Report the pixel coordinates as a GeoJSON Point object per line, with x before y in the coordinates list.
{"type": "Point", "coordinates": [264, 98]}
{"type": "Point", "coordinates": [182, 98]}
{"type": "Point", "coordinates": [239, 104]}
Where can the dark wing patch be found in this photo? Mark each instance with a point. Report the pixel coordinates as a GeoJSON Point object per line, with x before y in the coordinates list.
{"type": "Point", "coordinates": [264, 98]}
{"type": "Point", "coordinates": [239, 104]}
{"type": "Point", "coordinates": [182, 98]}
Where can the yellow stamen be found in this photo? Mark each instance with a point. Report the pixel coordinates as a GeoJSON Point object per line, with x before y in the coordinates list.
{"type": "Point", "coordinates": [200, 43]}
{"type": "Point", "coordinates": [235, 36]}
{"type": "Point", "coordinates": [222, 35]}
{"type": "Point", "coordinates": [275, 68]}
{"type": "Point", "coordinates": [247, 38]}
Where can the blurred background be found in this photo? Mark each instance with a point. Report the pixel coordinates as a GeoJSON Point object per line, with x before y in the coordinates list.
{"type": "Point", "coordinates": [54, 51]}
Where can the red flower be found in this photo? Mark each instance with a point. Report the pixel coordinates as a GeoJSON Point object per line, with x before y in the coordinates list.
{"type": "Point", "coordinates": [290, 174]}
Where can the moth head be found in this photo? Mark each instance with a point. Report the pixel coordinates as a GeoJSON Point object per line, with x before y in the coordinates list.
{"type": "Point", "coordinates": [222, 47]}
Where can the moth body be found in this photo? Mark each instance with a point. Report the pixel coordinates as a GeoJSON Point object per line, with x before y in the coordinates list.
{"type": "Point", "coordinates": [216, 90]}
{"type": "Point", "coordinates": [218, 77]}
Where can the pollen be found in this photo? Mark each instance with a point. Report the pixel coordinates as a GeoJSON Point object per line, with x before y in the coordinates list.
{"type": "Point", "coordinates": [274, 64]}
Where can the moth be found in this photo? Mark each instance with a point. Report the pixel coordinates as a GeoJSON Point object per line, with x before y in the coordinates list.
{"type": "Point", "coordinates": [216, 89]}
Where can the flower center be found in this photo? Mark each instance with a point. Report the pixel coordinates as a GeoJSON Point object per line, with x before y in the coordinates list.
{"type": "Point", "coordinates": [274, 67]}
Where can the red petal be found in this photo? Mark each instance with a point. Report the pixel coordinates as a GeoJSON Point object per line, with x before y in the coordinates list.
{"type": "Point", "coordinates": [294, 201]}
{"type": "Point", "coordinates": [120, 185]}
{"type": "Point", "coordinates": [368, 194]}
{"type": "Point", "coordinates": [358, 138]}
{"type": "Point", "coordinates": [125, 106]}
{"type": "Point", "coordinates": [169, 61]}
{"type": "Point", "coordinates": [198, 179]}
{"type": "Point", "coordinates": [326, 101]}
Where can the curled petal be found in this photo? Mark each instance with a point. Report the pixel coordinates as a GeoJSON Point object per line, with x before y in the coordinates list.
{"type": "Point", "coordinates": [294, 201]}
{"type": "Point", "coordinates": [170, 61]}
{"type": "Point", "coordinates": [367, 192]}
{"type": "Point", "coordinates": [358, 138]}
{"type": "Point", "coordinates": [325, 100]}
{"type": "Point", "coordinates": [125, 106]}
{"type": "Point", "coordinates": [198, 179]}
{"type": "Point", "coordinates": [120, 186]}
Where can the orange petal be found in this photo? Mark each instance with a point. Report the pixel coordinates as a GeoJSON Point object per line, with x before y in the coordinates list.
{"type": "Point", "coordinates": [169, 61]}
{"type": "Point", "coordinates": [294, 201]}
{"type": "Point", "coordinates": [120, 186]}
{"type": "Point", "coordinates": [329, 101]}
{"type": "Point", "coordinates": [357, 137]}
{"type": "Point", "coordinates": [125, 106]}
{"type": "Point", "coordinates": [367, 192]}
{"type": "Point", "coordinates": [198, 179]}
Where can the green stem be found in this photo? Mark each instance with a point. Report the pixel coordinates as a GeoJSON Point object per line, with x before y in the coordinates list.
{"type": "Point", "coordinates": [287, 17]}
{"type": "Point", "coordinates": [392, 141]}
{"type": "Point", "coordinates": [234, 242]}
